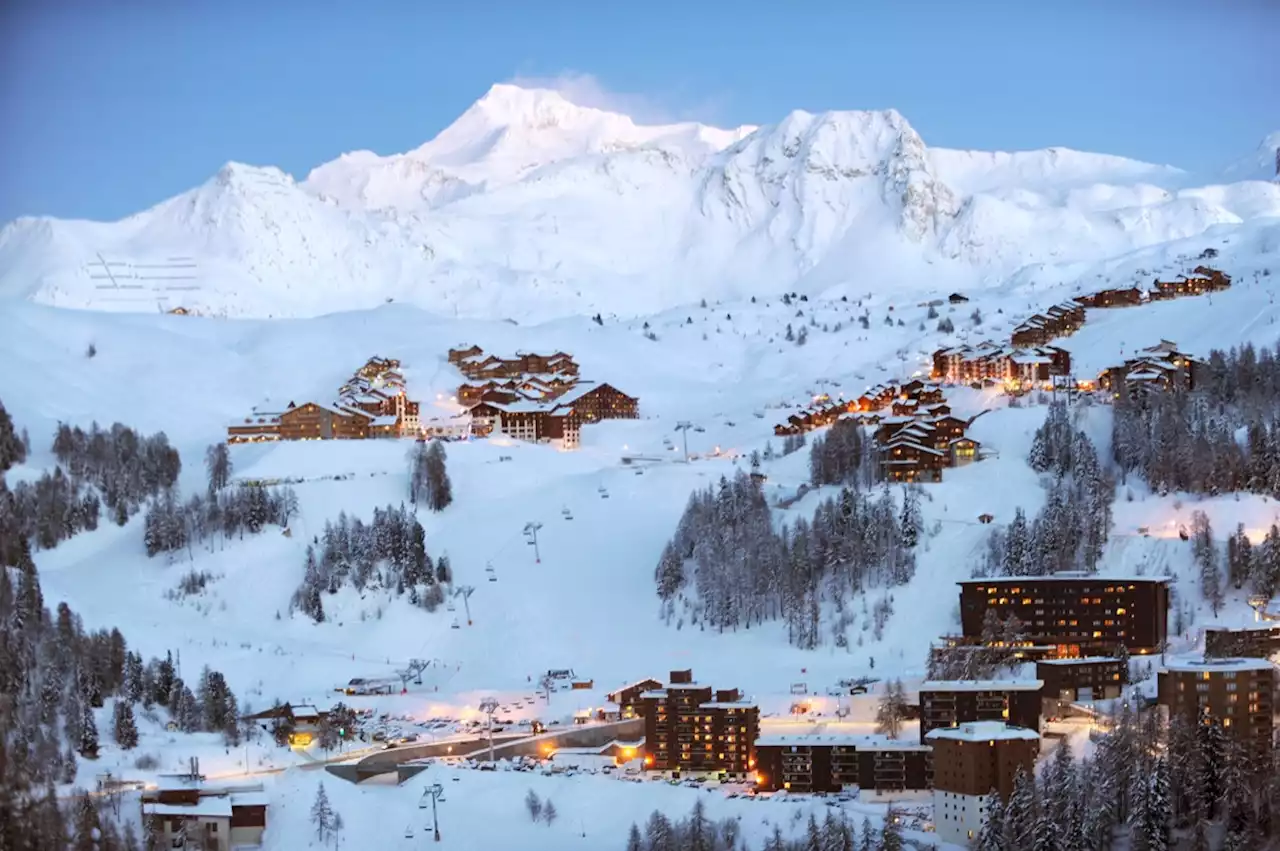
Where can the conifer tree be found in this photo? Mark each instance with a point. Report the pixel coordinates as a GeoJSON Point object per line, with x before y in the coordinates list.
{"type": "Point", "coordinates": [124, 728]}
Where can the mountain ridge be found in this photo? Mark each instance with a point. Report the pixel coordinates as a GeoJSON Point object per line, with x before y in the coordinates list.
{"type": "Point", "coordinates": [531, 206]}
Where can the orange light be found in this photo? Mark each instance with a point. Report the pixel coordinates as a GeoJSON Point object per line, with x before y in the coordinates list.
{"type": "Point", "coordinates": [759, 779]}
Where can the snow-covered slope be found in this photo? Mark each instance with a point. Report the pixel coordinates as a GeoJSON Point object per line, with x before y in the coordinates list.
{"type": "Point", "coordinates": [531, 207]}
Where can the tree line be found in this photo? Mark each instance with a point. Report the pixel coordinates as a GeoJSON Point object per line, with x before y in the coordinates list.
{"type": "Point", "coordinates": [1071, 530]}
{"type": "Point", "coordinates": [429, 483]}
{"type": "Point", "coordinates": [1148, 787]}
{"type": "Point", "coordinates": [844, 456]}
{"type": "Point", "coordinates": [171, 524]}
{"type": "Point", "coordinates": [698, 832]}
{"type": "Point", "coordinates": [54, 673]}
{"type": "Point", "coordinates": [1186, 441]}
{"type": "Point", "coordinates": [117, 469]}
{"type": "Point", "coordinates": [729, 567]}
{"type": "Point", "coordinates": [389, 553]}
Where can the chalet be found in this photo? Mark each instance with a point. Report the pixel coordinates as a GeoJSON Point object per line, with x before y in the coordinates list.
{"type": "Point", "coordinates": [904, 407]}
{"type": "Point", "coordinates": [461, 353]}
{"type": "Point", "coordinates": [1159, 368]}
{"type": "Point", "coordinates": [186, 813]}
{"type": "Point", "coordinates": [1034, 332]}
{"type": "Point", "coordinates": [1256, 640]}
{"type": "Point", "coordinates": [911, 389]}
{"type": "Point", "coordinates": [484, 417]}
{"type": "Point", "coordinates": [627, 698]}
{"type": "Point", "coordinates": [964, 450]}
{"type": "Point", "coordinates": [539, 422]}
{"type": "Point", "coordinates": [259, 426]}
{"type": "Point", "coordinates": [906, 460]}
{"type": "Point", "coordinates": [315, 421]}
{"type": "Point", "coordinates": [1127, 297]}
{"type": "Point", "coordinates": [956, 298]}
{"type": "Point", "coordinates": [594, 402]}
{"type": "Point", "coordinates": [949, 427]}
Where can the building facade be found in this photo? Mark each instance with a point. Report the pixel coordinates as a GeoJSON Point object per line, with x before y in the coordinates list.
{"type": "Point", "coordinates": [1067, 681]}
{"type": "Point", "coordinates": [969, 762]}
{"type": "Point", "coordinates": [1260, 641]}
{"type": "Point", "coordinates": [692, 727]}
{"type": "Point", "coordinates": [1080, 613]}
{"type": "Point", "coordinates": [832, 763]}
{"type": "Point", "coordinates": [209, 818]}
{"type": "Point", "coordinates": [950, 703]}
{"type": "Point", "coordinates": [1239, 694]}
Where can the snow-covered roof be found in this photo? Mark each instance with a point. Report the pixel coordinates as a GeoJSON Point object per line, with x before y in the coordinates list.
{"type": "Point", "coordinates": [213, 806]}
{"type": "Point", "coordinates": [250, 799]}
{"type": "Point", "coordinates": [727, 704]}
{"type": "Point", "coordinates": [981, 685]}
{"type": "Point", "coordinates": [1083, 660]}
{"type": "Point", "coordinates": [861, 741]}
{"type": "Point", "coordinates": [1063, 575]}
{"type": "Point", "coordinates": [899, 442]}
{"type": "Point", "coordinates": [1200, 664]}
{"type": "Point", "coordinates": [653, 693]}
{"type": "Point", "coordinates": [389, 420]}
{"type": "Point", "coordinates": [983, 731]}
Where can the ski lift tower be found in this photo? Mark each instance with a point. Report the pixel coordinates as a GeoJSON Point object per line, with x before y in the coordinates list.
{"type": "Point", "coordinates": [436, 793]}
{"type": "Point", "coordinates": [531, 532]}
{"type": "Point", "coordinates": [683, 427]}
{"type": "Point", "coordinates": [465, 592]}
{"type": "Point", "coordinates": [489, 706]}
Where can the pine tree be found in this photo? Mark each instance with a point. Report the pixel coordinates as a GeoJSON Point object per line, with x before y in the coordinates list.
{"type": "Point", "coordinates": [659, 833]}
{"type": "Point", "coordinates": [892, 710]}
{"type": "Point", "coordinates": [549, 813]}
{"type": "Point", "coordinates": [891, 833]}
{"type": "Point", "coordinates": [1020, 812]}
{"type": "Point", "coordinates": [217, 462]}
{"type": "Point", "coordinates": [124, 729]}
{"type": "Point", "coordinates": [88, 746]}
{"type": "Point", "coordinates": [533, 804]}
{"type": "Point", "coordinates": [634, 841]}
{"type": "Point", "coordinates": [322, 814]}
{"type": "Point", "coordinates": [991, 836]}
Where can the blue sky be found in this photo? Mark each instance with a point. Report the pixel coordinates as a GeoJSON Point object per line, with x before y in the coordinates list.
{"type": "Point", "coordinates": [109, 107]}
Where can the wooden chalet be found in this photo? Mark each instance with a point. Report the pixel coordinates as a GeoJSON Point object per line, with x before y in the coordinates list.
{"type": "Point", "coordinates": [594, 402]}
{"type": "Point", "coordinates": [963, 450]}
{"type": "Point", "coordinates": [957, 298]}
{"type": "Point", "coordinates": [1158, 368]}
{"type": "Point", "coordinates": [258, 427]}
{"type": "Point", "coordinates": [906, 460]}
{"type": "Point", "coordinates": [460, 353]}
{"type": "Point", "coordinates": [1127, 297]}
{"type": "Point", "coordinates": [1205, 280]}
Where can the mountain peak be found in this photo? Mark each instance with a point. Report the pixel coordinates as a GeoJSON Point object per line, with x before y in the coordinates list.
{"type": "Point", "coordinates": [512, 103]}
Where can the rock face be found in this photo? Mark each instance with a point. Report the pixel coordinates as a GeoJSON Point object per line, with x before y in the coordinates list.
{"type": "Point", "coordinates": [529, 205]}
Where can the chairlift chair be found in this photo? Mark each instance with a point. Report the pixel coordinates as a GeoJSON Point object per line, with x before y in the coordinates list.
{"type": "Point", "coordinates": [450, 607]}
{"type": "Point", "coordinates": [455, 624]}
{"type": "Point", "coordinates": [408, 832]}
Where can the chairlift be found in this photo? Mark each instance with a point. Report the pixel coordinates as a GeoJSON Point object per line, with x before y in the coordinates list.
{"type": "Point", "coordinates": [422, 802]}
{"type": "Point", "coordinates": [450, 607]}
{"type": "Point", "coordinates": [601, 489]}
{"type": "Point", "coordinates": [488, 568]}
{"type": "Point", "coordinates": [565, 511]}
{"type": "Point", "coordinates": [455, 624]}
{"type": "Point", "coordinates": [408, 832]}
{"type": "Point", "coordinates": [493, 578]}
{"type": "Point", "coordinates": [568, 517]}
{"type": "Point", "coordinates": [604, 494]}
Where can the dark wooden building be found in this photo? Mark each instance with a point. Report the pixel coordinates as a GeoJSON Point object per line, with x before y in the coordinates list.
{"type": "Point", "coordinates": [1259, 641]}
{"type": "Point", "coordinates": [691, 727]}
{"type": "Point", "coordinates": [628, 697]}
{"type": "Point", "coordinates": [832, 763]}
{"type": "Point", "coordinates": [1236, 693]}
{"type": "Point", "coordinates": [1081, 613]}
{"type": "Point", "coordinates": [1127, 297]}
{"type": "Point", "coordinates": [949, 703]}
{"type": "Point", "coordinates": [1087, 678]}
{"type": "Point", "coordinates": [594, 402]}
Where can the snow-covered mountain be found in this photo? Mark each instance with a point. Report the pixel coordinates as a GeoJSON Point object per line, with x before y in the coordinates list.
{"type": "Point", "coordinates": [531, 207]}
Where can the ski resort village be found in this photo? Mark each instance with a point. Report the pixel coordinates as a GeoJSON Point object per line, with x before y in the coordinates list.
{"type": "Point", "coordinates": [571, 482]}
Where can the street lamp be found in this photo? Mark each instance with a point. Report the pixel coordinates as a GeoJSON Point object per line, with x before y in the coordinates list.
{"type": "Point", "coordinates": [436, 792]}
{"type": "Point", "coordinates": [489, 706]}
{"type": "Point", "coordinates": [531, 530]}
